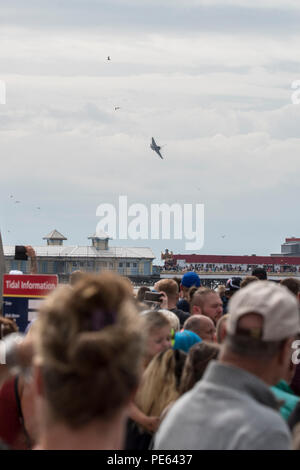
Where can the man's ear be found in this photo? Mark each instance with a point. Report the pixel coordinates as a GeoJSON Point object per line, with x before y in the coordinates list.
{"type": "Point", "coordinates": [196, 310]}
{"type": "Point", "coordinates": [285, 353]}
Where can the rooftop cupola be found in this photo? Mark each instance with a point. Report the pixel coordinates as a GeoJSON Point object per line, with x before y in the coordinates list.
{"type": "Point", "coordinates": [100, 240]}
{"type": "Point", "coordinates": [54, 238]}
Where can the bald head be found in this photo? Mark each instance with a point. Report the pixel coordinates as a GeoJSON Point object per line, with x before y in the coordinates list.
{"type": "Point", "coordinates": [201, 325]}
{"type": "Point", "coordinates": [221, 328]}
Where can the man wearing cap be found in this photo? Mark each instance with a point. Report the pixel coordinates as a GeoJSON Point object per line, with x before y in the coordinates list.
{"type": "Point", "coordinates": [188, 280]}
{"type": "Point", "coordinates": [232, 407]}
{"type": "Point", "coordinates": [232, 286]}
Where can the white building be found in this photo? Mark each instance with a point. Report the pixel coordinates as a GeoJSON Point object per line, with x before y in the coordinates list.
{"type": "Point", "coordinates": [55, 258]}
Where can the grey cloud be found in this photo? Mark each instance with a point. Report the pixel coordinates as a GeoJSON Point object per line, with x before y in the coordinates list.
{"type": "Point", "coordinates": [114, 15]}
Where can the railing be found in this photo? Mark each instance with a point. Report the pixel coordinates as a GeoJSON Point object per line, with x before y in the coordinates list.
{"type": "Point", "coordinates": [232, 273]}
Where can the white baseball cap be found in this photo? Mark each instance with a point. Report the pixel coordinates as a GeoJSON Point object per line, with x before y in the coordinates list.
{"type": "Point", "coordinates": [274, 302]}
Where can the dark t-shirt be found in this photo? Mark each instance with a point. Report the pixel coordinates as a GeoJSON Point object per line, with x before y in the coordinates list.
{"type": "Point", "coordinates": [180, 314]}
{"type": "Point", "coordinates": [295, 384]}
{"type": "Point", "coordinates": [183, 305]}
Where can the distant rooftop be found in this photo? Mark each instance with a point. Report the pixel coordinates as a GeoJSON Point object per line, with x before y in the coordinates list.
{"type": "Point", "coordinates": [100, 235]}
{"type": "Point", "coordinates": [87, 252]}
{"type": "Point", "coordinates": [54, 235]}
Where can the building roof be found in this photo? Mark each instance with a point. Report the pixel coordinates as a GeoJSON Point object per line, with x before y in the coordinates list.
{"type": "Point", "coordinates": [100, 235]}
{"type": "Point", "coordinates": [227, 259]}
{"type": "Point", "coordinates": [86, 252]}
{"type": "Point", "coordinates": [54, 235]}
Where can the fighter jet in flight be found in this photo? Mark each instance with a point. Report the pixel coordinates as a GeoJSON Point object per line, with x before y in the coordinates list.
{"type": "Point", "coordinates": [156, 148]}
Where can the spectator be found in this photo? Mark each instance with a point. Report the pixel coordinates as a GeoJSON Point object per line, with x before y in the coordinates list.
{"type": "Point", "coordinates": [188, 280]}
{"type": "Point", "coordinates": [232, 286]}
{"type": "Point", "coordinates": [247, 280]}
{"type": "Point", "coordinates": [88, 356]}
{"type": "Point", "coordinates": [198, 359]}
{"type": "Point", "coordinates": [158, 334]}
{"type": "Point", "coordinates": [30, 252]}
{"type": "Point", "coordinates": [141, 293]}
{"type": "Point", "coordinates": [184, 340]}
{"type": "Point", "coordinates": [201, 325]}
{"type": "Point", "coordinates": [207, 302]}
{"type": "Point", "coordinates": [221, 290]}
{"type": "Point", "coordinates": [157, 328]}
{"type": "Point", "coordinates": [261, 273]}
{"type": "Point", "coordinates": [178, 281]}
{"type": "Point", "coordinates": [191, 293]}
{"type": "Point", "coordinates": [17, 416]}
{"type": "Point", "coordinates": [221, 328]}
{"type": "Point", "coordinates": [285, 394]}
{"type": "Point", "coordinates": [233, 402]}
{"type": "Point", "coordinates": [293, 285]}
{"type": "Point", "coordinates": [76, 276]}
{"type": "Point", "coordinates": [173, 319]}
{"type": "Point", "coordinates": [7, 326]}
{"type": "Point", "coordinates": [170, 287]}
{"type": "Point", "coordinates": [160, 382]}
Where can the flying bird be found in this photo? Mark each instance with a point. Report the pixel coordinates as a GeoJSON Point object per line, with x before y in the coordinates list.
{"type": "Point", "coordinates": [17, 202]}
{"type": "Point", "coordinates": [156, 148]}
{"type": "Point", "coordinates": [117, 107]}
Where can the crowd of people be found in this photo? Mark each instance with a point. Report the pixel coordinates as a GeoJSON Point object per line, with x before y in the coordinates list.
{"type": "Point", "coordinates": [224, 268]}
{"type": "Point", "coordinates": [102, 367]}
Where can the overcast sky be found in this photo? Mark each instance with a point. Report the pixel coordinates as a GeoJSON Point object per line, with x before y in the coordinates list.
{"type": "Point", "coordinates": [211, 80]}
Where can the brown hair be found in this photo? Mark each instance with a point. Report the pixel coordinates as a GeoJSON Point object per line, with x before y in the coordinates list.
{"type": "Point", "coordinates": [293, 285]}
{"type": "Point", "coordinates": [192, 291]}
{"type": "Point", "coordinates": [198, 358]}
{"type": "Point", "coordinates": [141, 293]}
{"type": "Point", "coordinates": [247, 280]}
{"type": "Point", "coordinates": [169, 286]}
{"type": "Point", "coordinates": [89, 345]}
{"type": "Point", "coordinates": [76, 276]}
{"type": "Point", "coordinates": [199, 297]}
{"type": "Point", "coordinates": [220, 327]}
{"type": "Point", "coordinates": [221, 289]}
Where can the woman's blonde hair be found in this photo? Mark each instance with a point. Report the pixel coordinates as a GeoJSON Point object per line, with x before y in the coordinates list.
{"type": "Point", "coordinates": [160, 382]}
{"type": "Point", "coordinates": [89, 347]}
{"type": "Point", "coordinates": [154, 320]}
{"type": "Point", "coordinates": [173, 319]}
